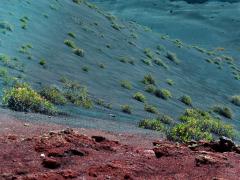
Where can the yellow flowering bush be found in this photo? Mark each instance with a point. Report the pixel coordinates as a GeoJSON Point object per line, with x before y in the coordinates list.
{"type": "Point", "coordinates": [23, 98]}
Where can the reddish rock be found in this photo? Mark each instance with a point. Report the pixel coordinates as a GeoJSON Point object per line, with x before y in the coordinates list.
{"type": "Point", "coordinates": [51, 163]}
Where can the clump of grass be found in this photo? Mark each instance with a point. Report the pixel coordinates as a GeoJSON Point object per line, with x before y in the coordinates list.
{"type": "Point", "coordinates": [235, 100]}
{"type": "Point", "coordinates": [53, 94]}
{"type": "Point", "coordinates": [139, 97]}
{"type": "Point", "coordinates": [71, 34]}
{"type": "Point", "coordinates": [165, 119]}
{"type": "Point", "coordinates": [152, 124]}
{"type": "Point", "coordinates": [126, 109]}
{"type": "Point", "coordinates": [161, 48]}
{"type": "Point", "coordinates": [199, 125]}
{"type": "Point", "coordinates": [70, 44]}
{"type": "Point", "coordinates": [78, 52]}
{"type": "Point", "coordinates": [76, 94]}
{"type": "Point", "coordinates": [186, 100]}
{"type": "Point", "coordinates": [101, 65]}
{"type": "Point", "coordinates": [159, 62]}
{"type": "Point", "coordinates": [150, 108]}
{"type": "Point", "coordinates": [23, 98]}
{"type": "Point", "coordinates": [170, 82]}
{"type": "Point", "coordinates": [147, 61]}
{"type": "Point", "coordinates": [125, 59]}
{"type": "Point", "coordinates": [223, 111]}
{"type": "Point", "coordinates": [149, 79]}
{"type": "Point", "coordinates": [24, 22]}
{"type": "Point", "coordinates": [126, 84]}
{"type": "Point", "coordinates": [163, 93]}
{"type": "Point", "coordinates": [148, 53]}
{"type": "Point", "coordinates": [77, 1]}
{"type": "Point", "coordinates": [150, 88]}
{"type": "Point", "coordinates": [42, 62]}
{"type": "Point", "coordinates": [172, 57]}
{"type": "Point", "coordinates": [4, 25]}
{"type": "Point", "coordinates": [102, 103]}
{"type": "Point", "coordinates": [85, 69]}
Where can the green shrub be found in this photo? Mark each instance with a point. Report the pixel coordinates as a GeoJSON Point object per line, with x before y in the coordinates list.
{"type": "Point", "coordinates": [148, 53]}
{"type": "Point", "coordinates": [23, 98]}
{"type": "Point", "coordinates": [71, 34]}
{"type": "Point", "coordinates": [152, 124]}
{"type": "Point", "coordinates": [6, 26]}
{"type": "Point", "coordinates": [186, 100]}
{"type": "Point", "coordinates": [76, 93]}
{"type": "Point", "coordinates": [42, 62]}
{"type": "Point", "coordinates": [78, 1]}
{"type": "Point", "coordinates": [165, 119]}
{"type": "Point", "coordinates": [126, 84]}
{"type": "Point", "coordinates": [70, 44]}
{"type": "Point", "coordinates": [223, 111]}
{"type": "Point", "coordinates": [126, 109]}
{"type": "Point", "coordinates": [78, 52]}
{"type": "Point", "coordinates": [147, 62]}
{"type": "Point", "coordinates": [102, 103]}
{"type": "Point", "coordinates": [85, 68]}
{"type": "Point", "coordinates": [161, 48]}
{"type": "Point", "coordinates": [235, 100]}
{"type": "Point", "coordinates": [163, 93]}
{"type": "Point", "coordinates": [139, 97]}
{"type": "Point", "coordinates": [148, 79]}
{"type": "Point", "coordinates": [102, 66]}
{"type": "Point", "coordinates": [150, 108]}
{"type": "Point", "coordinates": [53, 94]}
{"type": "Point", "coordinates": [150, 88]}
{"type": "Point", "coordinates": [159, 62]}
{"type": "Point", "coordinates": [199, 125]}
{"type": "Point", "coordinates": [172, 57]}
{"type": "Point", "coordinates": [170, 82]}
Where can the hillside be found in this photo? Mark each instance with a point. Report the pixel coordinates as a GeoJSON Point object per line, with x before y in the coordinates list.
{"type": "Point", "coordinates": [62, 43]}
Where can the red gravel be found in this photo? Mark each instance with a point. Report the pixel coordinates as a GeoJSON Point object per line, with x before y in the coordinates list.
{"type": "Point", "coordinates": [34, 152]}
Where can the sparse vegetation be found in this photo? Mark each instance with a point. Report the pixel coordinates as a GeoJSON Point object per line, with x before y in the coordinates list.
{"type": "Point", "coordinates": [150, 108]}
{"type": "Point", "coordinates": [126, 109]}
{"type": "Point", "coordinates": [23, 98]}
{"type": "Point", "coordinates": [150, 88]}
{"type": "Point", "coordinates": [199, 125]}
{"type": "Point", "coordinates": [165, 119]}
{"type": "Point", "coordinates": [172, 57]}
{"type": "Point", "coordinates": [152, 124]}
{"type": "Point", "coordinates": [148, 79]}
{"type": "Point", "coordinates": [149, 53]}
{"type": "Point", "coordinates": [139, 97]}
{"type": "Point", "coordinates": [170, 82]}
{"type": "Point", "coordinates": [147, 61]}
{"type": "Point", "coordinates": [70, 44]}
{"type": "Point", "coordinates": [53, 94]}
{"type": "Point", "coordinates": [163, 93]}
{"type": "Point", "coordinates": [76, 94]}
{"type": "Point", "coordinates": [223, 111]}
{"type": "Point", "coordinates": [78, 52]}
{"type": "Point", "coordinates": [235, 100]}
{"type": "Point", "coordinates": [126, 84]}
{"type": "Point", "coordinates": [71, 34]}
{"type": "Point", "coordinates": [85, 68]}
{"type": "Point", "coordinates": [159, 62]}
{"type": "Point", "coordinates": [186, 100]}
{"type": "Point", "coordinates": [42, 62]}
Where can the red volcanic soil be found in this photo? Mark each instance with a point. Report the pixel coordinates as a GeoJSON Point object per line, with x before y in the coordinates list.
{"type": "Point", "coordinates": [33, 151]}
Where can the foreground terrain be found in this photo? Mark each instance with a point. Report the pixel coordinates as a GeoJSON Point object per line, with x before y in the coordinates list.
{"type": "Point", "coordinates": [32, 151]}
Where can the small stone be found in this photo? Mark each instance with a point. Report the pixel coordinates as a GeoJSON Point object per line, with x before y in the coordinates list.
{"type": "Point", "coordinates": [12, 137]}
{"type": "Point", "coordinates": [26, 124]}
{"type": "Point", "coordinates": [42, 155]}
{"type": "Point", "coordinates": [51, 163]}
